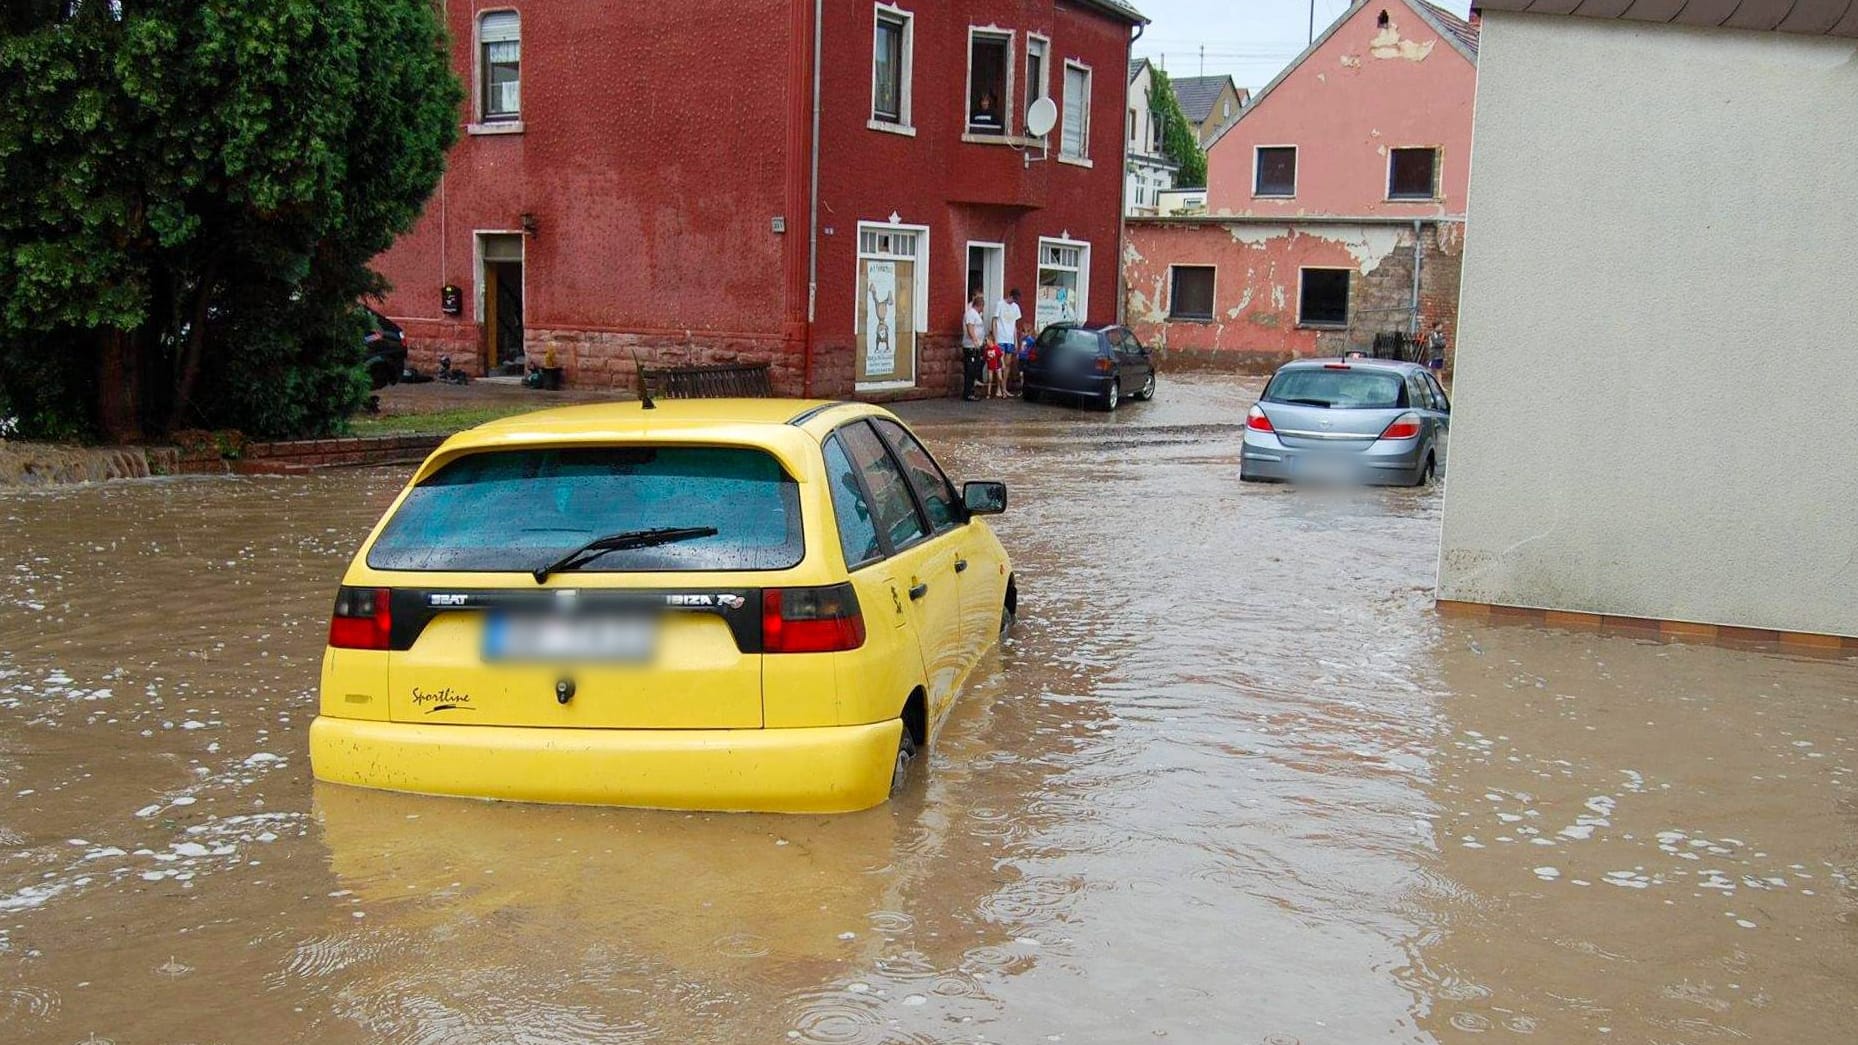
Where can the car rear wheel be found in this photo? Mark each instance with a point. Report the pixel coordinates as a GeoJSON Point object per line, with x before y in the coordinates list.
{"type": "Point", "coordinates": [1030, 395]}
{"type": "Point", "coordinates": [906, 753]}
{"type": "Point", "coordinates": [1148, 388]}
{"type": "Point", "coordinates": [1426, 471]}
{"type": "Point", "coordinates": [1112, 397]}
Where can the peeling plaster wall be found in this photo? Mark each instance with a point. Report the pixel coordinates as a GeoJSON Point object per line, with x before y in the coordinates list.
{"type": "Point", "coordinates": [1655, 414]}
{"type": "Point", "coordinates": [1256, 285]}
{"type": "Point", "coordinates": [1364, 91]}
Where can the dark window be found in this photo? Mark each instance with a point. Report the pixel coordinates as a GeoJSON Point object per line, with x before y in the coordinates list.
{"type": "Point", "coordinates": [1277, 171]}
{"type": "Point", "coordinates": [857, 531]}
{"type": "Point", "coordinates": [1324, 301]}
{"type": "Point", "coordinates": [932, 487]}
{"type": "Point", "coordinates": [1035, 71]}
{"type": "Point", "coordinates": [887, 61]}
{"type": "Point", "coordinates": [1336, 389]}
{"type": "Point", "coordinates": [1191, 296]}
{"type": "Point", "coordinates": [500, 37]}
{"type": "Point", "coordinates": [1060, 339]}
{"type": "Point", "coordinates": [987, 60]}
{"type": "Point", "coordinates": [1412, 174]}
{"type": "Point", "coordinates": [1438, 394]}
{"type": "Point", "coordinates": [508, 510]}
{"type": "Point", "coordinates": [891, 503]}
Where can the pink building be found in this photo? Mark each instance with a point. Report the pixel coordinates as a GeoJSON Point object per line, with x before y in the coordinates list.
{"type": "Point", "coordinates": [1335, 201]}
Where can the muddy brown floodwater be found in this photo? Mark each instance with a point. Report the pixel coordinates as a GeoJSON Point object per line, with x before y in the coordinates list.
{"type": "Point", "coordinates": [1233, 781]}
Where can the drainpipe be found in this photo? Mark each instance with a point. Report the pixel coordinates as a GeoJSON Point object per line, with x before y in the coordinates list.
{"type": "Point", "coordinates": [812, 225]}
{"type": "Point", "coordinates": [1419, 254]}
{"type": "Point", "coordinates": [1122, 217]}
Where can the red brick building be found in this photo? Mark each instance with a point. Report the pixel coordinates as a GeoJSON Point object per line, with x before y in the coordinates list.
{"type": "Point", "coordinates": [638, 178]}
{"type": "Point", "coordinates": [1335, 201]}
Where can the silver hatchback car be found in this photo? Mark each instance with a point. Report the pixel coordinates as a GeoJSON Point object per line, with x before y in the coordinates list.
{"type": "Point", "coordinates": [1372, 421]}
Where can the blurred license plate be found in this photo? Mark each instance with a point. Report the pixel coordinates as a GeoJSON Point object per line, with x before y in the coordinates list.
{"type": "Point", "coordinates": [1322, 466]}
{"type": "Point", "coordinates": [561, 637]}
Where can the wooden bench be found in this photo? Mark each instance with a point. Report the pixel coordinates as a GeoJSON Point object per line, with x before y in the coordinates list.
{"type": "Point", "coordinates": [715, 381]}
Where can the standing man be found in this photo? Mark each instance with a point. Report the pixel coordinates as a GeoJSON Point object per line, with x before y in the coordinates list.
{"type": "Point", "coordinates": [1007, 324]}
{"type": "Point", "coordinates": [973, 336]}
{"type": "Point", "coordinates": [1435, 346]}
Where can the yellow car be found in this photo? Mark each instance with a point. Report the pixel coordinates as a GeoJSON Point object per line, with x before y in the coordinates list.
{"type": "Point", "coordinates": [702, 604]}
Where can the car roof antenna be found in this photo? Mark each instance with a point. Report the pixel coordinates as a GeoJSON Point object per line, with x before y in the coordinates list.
{"type": "Point", "coordinates": [645, 391]}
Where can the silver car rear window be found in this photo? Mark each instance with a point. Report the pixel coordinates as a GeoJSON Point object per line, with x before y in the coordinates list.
{"type": "Point", "coordinates": [1336, 389]}
{"type": "Point", "coordinates": [506, 510]}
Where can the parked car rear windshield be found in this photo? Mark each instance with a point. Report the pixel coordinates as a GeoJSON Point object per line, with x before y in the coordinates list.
{"type": "Point", "coordinates": [519, 509]}
{"type": "Point", "coordinates": [1338, 389]}
{"type": "Point", "coordinates": [1069, 339]}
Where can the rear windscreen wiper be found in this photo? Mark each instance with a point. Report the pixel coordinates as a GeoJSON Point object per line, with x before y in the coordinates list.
{"type": "Point", "coordinates": [1309, 402]}
{"type": "Point", "coordinates": [614, 542]}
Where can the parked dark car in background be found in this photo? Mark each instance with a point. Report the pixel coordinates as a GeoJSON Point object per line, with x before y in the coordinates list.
{"type": "Point", "coordinates": [383, 350]}
{"type": "Point", "coordinates": [1101, 365]}
{"type": "Point", "coordinates": [1378, 422]}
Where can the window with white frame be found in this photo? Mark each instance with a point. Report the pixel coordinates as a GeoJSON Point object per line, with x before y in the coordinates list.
{"type": "Point", "coordinates": [1412, 174]}
{"type": "Point", "coordinates": [1038, 52]}
{"type": "Point", "coordinates": [893, 297]}
{"type": "Point", "coordinates": [1064, 283]}
{"type": "Point", "coordinates": [990, 81]}
{"type": "Point", "coordinates": [1274, 170]}
{"type": "Point", "coordinates": [892, 41]}
{"type": "Point", "coordinates": [1074, 143]}
{"type": "Point", "coordinates": [500, 57]}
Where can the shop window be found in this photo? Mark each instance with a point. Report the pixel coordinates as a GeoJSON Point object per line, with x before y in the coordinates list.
{"type": "Point", "coordinates": [1190, 292]}
{"type": "Point", "coordinates": [1412, 174]}
{"type": "Point", "coordinates": [1275, 171]}
{"type": "Point", "coordinates": [990, 74]}
{"type": "Point", "coordinates": [1064, 283]}
{"type": "Point", "coordinates": [893, 263]}
{"type": "Point", "coordinates": [891, 45]}
{"type": "Point", "coordinates": [1323, 299]}
{"type": "Point", "coordinates": [500, 44]}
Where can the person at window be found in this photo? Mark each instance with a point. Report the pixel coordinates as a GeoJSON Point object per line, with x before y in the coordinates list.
{"type": "Point", "coordinates": [1007, 325]}
{"type": "Point", "coordinates": [986, 112]}
{"type": "Point", "coordinates": [1435, 346]}
{"type": "Point", "coordinates": [973, 337]}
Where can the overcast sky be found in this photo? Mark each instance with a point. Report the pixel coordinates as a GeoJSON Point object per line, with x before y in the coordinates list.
{"type": "Point", "coordinates": [1251, 39]}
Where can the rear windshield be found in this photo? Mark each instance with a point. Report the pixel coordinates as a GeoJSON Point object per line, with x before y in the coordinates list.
{"type": "Point", "coordinates": [521, 509]}
{"type": "Point", "coordinates": [1339, 389]}
{"type": "Point", "coordinates": [1068, 339]}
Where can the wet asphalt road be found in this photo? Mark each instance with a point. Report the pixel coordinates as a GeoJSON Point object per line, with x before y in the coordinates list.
{"type": "Point", "coordinates": [1232, 781]}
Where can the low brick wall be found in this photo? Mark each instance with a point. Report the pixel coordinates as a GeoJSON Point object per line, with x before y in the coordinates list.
{"type": "Point", "coordinates": [304, 455]}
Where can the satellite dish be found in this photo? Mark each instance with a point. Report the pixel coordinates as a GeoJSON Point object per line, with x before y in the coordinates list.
{"type": "Point", "coordinates": [1041, 117]}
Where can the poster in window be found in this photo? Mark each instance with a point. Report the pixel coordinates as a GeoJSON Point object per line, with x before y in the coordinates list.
{"type": "Point", "coordinates": [886, 327]}
{"type": "Point", "coordinates": [1057, 298]}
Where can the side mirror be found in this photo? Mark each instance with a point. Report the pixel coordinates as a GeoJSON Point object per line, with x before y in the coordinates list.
{"type": "Point", "coordinates": [985, 498]}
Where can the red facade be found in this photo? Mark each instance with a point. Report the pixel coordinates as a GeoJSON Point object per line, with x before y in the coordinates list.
{"type": "Point", "coordinates": [652, 198]}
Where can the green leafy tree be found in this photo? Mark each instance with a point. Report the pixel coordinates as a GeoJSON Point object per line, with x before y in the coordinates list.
{"type": "Point", "coordinates": [194, 191]}
{"type": "Point", "coordinates": [1177, 135]}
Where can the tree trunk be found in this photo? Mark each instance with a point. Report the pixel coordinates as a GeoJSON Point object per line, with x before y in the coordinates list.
{"type": "Point", "coordinates": [119, 391]}
{"type": "Point", "coordinates": [188, 370]}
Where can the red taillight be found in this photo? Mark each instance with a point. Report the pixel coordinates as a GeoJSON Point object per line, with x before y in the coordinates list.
{"type": "Point", "coordinates": [363, 618]}
{"type": "Point", "coordinates": [1257, 421]}
{"type": "Point", "coordinates": [1406, 426]}
{"type": "Point", "coordinates": [1105, 364]}
{"type": "Point", "coordinates": [1337, 366]}
{"type": "Point", "coordinates": [811, 620]}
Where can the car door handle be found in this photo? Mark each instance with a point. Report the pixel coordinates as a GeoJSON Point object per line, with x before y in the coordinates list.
{"type": "Point", "coordinates": [917, 591]}
{"type": "Point", "coordinates": [961, 565]}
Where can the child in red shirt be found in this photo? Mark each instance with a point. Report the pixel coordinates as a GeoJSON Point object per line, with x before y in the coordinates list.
{"type": "Point", "coordinates": [996, 375]}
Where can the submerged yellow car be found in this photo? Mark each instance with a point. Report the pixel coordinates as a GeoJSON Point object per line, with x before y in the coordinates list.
{"type": "Point", "coordinates": [703, 604]}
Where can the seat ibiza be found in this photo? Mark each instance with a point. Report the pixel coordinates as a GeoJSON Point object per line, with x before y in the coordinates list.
{"type": "Point", "coordinates": [706, 604]}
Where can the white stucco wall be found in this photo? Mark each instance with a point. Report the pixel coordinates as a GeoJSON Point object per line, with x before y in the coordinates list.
{"type": "Point", "coordinates": [1656, 403]}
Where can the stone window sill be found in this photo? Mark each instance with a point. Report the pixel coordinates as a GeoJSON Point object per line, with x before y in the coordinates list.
{"type": "Point", "coordinates": [998, 139]}
{"type": "Point", "coordinates": [1202, 320]}
{"type": "Point", "coordinates": [891, 128]}
{"type": "Point", "coordinates": [1075, 161]}
{"type": "Point", "coordinates": [500, 127]}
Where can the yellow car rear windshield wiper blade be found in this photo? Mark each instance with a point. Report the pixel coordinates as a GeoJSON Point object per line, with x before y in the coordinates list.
{"type": "Point", "coordinates": [614, 542]}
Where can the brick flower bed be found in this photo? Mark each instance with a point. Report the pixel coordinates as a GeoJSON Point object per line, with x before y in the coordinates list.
{"type": "Point", "coordinates": [303, 455]}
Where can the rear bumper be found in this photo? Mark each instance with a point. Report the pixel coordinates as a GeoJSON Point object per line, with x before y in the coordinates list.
{"type": "Point", "coordinates": [1385, 463]}
{"type": "Point", "coordinates": [1090, 384]}
{"type": "Point", "coordinates": [828, 769]}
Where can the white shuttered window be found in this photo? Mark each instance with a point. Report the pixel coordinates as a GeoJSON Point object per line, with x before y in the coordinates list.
{"type": "Point", "coordinates": [499, 35]}
{"type": "Point", "coordinates": [1075, 142]}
